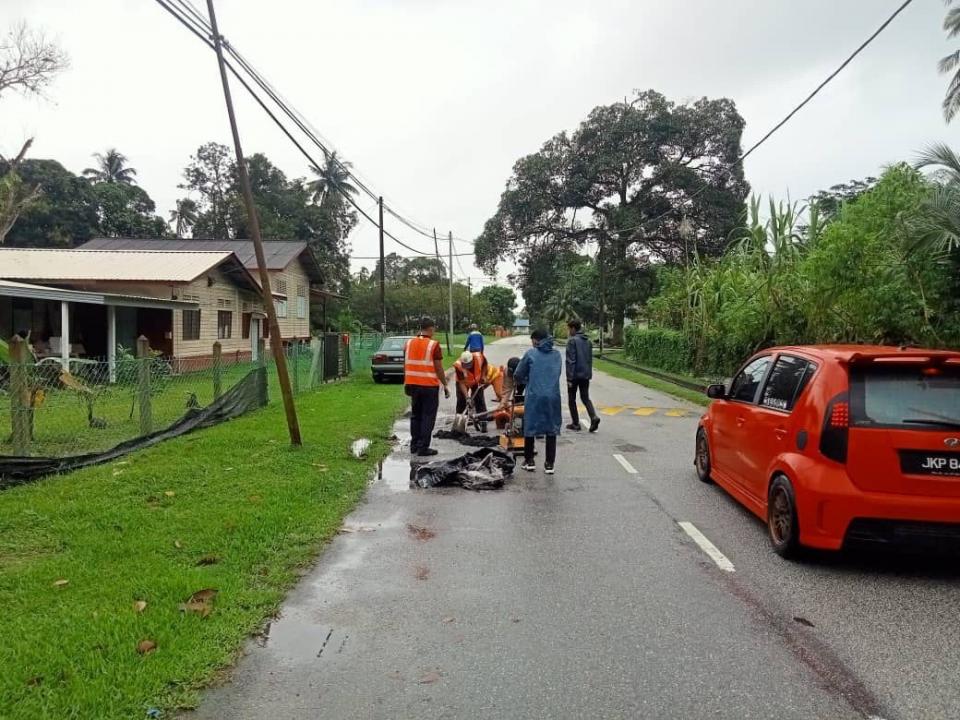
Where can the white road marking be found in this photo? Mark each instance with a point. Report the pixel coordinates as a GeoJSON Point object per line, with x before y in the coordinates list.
{"type": "Point", "coordinates": [708, 547]}
{"type": "Point", "coordinates": [626, 465]}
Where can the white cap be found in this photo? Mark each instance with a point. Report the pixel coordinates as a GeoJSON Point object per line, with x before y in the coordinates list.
{"type": "Point", "coordinates": [466, 358]}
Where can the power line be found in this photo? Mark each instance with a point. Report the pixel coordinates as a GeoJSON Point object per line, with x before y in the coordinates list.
{"type": "Point", "coordinates": [192, 25]}
{"type": "Point", "coordinates": [789, 115]}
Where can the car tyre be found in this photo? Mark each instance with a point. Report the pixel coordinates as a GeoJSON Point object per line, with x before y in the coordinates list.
{"type": "Point", "coordinates": [377, 378]}
{"type": "Point", "coordinates": [783, 526]}
{"type": "Point", "coordinates": [701, 457]}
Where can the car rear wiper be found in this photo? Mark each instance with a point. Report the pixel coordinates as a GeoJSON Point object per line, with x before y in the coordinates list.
{"type": "Point", "coordinates": [931, 421]}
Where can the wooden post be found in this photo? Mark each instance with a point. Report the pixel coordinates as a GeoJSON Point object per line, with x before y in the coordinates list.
{"type": "Point", "coordinates": [143, 385]}
{"type": "Point", "coordinates": [217, 370]}
{"type": "Point", "coordinates": [19, 396]}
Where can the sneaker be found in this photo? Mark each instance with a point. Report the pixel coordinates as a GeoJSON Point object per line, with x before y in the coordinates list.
{"type": "Point", "coordinates": [594, 424]}
{"type": "Point", "coordinates": [529, 466]}
{"type": "Point", "coordinates": [574, 426]}
{"type": "Point", "coordinates": [428, 452]}
{"type": "Point", "coordinates": [548, 469]}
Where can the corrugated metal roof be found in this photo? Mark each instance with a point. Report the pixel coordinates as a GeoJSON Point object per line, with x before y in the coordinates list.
{"type": "Point", "coordinates": [42, 292]}
{"type": "Point", "coordinates": [278, 253]}
{"type": "Point", "coordinates": [122, 265]}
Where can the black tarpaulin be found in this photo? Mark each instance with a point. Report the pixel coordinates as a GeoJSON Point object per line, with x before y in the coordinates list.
{"type": "Point", "coordinates": [484, 469]}
{"type": "Point", "coordinates": [248, 394]}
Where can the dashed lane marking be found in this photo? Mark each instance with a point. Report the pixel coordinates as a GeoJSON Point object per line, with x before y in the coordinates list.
{"type": "Point", "coordinates": [708, 547]}
{"type": "Point", "coordinates": [612, 410]}
{"type": "Point", "coordinates": [624, 463]}
{"type": "Point", "coordinates": [645, 411]}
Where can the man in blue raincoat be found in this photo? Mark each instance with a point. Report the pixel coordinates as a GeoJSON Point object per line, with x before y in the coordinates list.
{"type": "Point", "coordinates": [539, 370]}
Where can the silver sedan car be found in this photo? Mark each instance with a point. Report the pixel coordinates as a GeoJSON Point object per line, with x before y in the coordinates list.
{"type": "Point", "coordinates": [387, 362]}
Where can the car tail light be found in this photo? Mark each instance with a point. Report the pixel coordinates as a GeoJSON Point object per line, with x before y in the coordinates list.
{"type": "Point", "coordinates": [380, 358]}
{"type": "Point", "coordinates": [836, 429]}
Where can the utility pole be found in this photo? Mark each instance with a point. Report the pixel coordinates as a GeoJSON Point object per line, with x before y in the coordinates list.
{"type": "Point", "coordinates": [603, 296]}
{"type": "Point", "coordinates": [276, 343]}
{"type": "Point", "coordinates": [451, 294]}
{"type": "Point", "coordinates": [436, 247]}
{"type": "Point", "coordinates": [470, 299]}
{"type": "Point", "coordinates": [383, 274]}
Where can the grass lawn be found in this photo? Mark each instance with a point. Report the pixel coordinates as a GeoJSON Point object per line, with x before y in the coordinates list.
{"type": "Point", "coordinates": [651, 382]}
{"type": "Point", "coordinates": [232, 508]}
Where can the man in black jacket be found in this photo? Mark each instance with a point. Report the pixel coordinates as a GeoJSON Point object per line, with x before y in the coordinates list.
{"type": "Point", "coordinates": [579, 374]}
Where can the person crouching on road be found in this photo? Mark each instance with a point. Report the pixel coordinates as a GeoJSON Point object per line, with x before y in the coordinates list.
{"type": "Point", "coordinates": [423, 375]}
{"type": "Point", "coordinates": [579, 374]}
{"type": "Point", "coordinates": [474, 340]}
{"type": "Point", "coordinates": [470, 371]}
{"type": "Point", "coordinates": [539, 370]}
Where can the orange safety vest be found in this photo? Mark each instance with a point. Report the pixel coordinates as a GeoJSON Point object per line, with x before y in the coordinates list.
{"type": "Point", "coordinates": [418, 366]}
{"type": "Point", "coordinates": [472, 377]}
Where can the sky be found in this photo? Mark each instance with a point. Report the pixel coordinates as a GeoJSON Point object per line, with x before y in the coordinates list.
{"type": "Point", "coordinates": [433, 101]}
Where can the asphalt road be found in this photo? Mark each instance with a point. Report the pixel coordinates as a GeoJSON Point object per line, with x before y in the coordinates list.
{"type": "Point", "coordinates": [585, 595]}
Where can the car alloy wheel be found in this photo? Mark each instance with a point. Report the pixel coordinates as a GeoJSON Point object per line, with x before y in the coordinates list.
{"type": "Point", "coordinates": [701, 460]}
{"type": "Point", "coordinates": [782, 522]}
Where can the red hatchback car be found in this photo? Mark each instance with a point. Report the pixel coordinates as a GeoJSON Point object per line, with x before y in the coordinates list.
{"type": "Point", "coordinates": [837, 444]}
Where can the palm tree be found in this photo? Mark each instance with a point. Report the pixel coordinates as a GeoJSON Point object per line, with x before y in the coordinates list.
{"type": "Point", "coordinates": [942, 157]}
{"type": "Point", "coordinates": [184, 216]}
{"type": "Point", "coordinates": [937, 225]}
{"type": "Point", "coordinates": [332, 179]}
{"type": "Point", "coordinates": [112, 168]}
{"type": "Point", "coordinates": [951, 63]}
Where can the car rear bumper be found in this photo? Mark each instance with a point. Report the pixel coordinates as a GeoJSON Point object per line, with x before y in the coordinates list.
{"type": "Point", "coordinates": [837, 512]}
{"type": "Point", "coordinates": [387, 369]}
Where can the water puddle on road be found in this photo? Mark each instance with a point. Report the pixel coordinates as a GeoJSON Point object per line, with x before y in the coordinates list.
{"type": "Point", "coordinates": [394, 474]}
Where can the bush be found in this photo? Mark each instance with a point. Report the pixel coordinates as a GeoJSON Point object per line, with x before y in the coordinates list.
{"type": "Point", "coordinates": [668, 350]}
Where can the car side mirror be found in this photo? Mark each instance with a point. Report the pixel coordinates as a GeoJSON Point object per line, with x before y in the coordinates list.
{"type": "Point", "coordinates": [717, 392]}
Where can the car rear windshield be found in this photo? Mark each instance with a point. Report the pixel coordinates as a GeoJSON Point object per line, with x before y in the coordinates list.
{"type": "Point", "coordinates": [907, 396]}
{"type": "Point", "coordinates": [394, 343]}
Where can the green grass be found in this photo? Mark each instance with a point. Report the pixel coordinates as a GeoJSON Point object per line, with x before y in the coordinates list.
{"type": "Point", "coordinates": [232, 508]}
{"type": "Point", "coordinates": [650, 382]}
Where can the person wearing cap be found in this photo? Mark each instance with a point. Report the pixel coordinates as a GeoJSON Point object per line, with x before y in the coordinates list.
{"type": "Point", "coordinates": [470, 370]}
{"type": "Point", "coordinates": [423, 375]}
{"type": "Point", "coordinates": [474, 340]}
{"type": "Point", "coordinates": [539, 370]}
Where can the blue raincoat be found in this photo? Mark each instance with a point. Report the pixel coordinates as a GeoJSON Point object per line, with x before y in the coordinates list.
{"type": "Point", "coordinates": [539, 370]}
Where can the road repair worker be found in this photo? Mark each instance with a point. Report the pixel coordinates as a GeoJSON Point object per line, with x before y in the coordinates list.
{"type": "Point", "coordinates": [474, 339]}
{"type": "Point", "coordinates": [470, 371]}
{"type": "Point", "coordinates": [422, 377]}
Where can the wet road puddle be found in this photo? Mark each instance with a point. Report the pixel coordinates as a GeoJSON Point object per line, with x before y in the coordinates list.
{"type": "Point", "coordinates": [394, 474]}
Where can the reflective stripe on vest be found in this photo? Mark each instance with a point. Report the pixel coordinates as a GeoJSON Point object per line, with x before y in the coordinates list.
{"type": "Point", "coordinates": [418, 368]}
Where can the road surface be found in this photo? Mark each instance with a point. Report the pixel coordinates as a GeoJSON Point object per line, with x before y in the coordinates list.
{"type": "Point", "coordinates": [619, 588]}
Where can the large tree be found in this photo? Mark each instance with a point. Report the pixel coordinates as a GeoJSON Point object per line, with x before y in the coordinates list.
{"type": "Point", "coordinates": [645, 179]}
{"type": "Point", "coordinates": [498, 303]}
{"type": "Point", "coordinates": [332, 180]}
{"type": "Point", "coordinates": [210, 175]}
{"type": "Point", "coordinates": [183, 217]}
{"type": "Point", "coordinates": [111, 168]}
{"type": "Point", "coordinates": [951, 62]}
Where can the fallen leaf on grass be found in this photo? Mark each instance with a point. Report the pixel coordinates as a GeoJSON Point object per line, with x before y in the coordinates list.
{"type": "Point", "coordinates": [227, 469]}
{"type": "Point", "coordinates": [117, 472]}
{"type": "Point", "coordinates": [208, 560]}
{"type": "Point", "coordinates": [139, 606]}
{"type": "Point", "coordinates": [61, 583]}
{"type": "Point", "coordinates": [145, 647]}
{"type": "Point", "coordinates": [201, 602]}
{"type": "Point", "coordinates": [320, 467]}
{"type": "Point", "coordinates": [35, 680]}
{"type": "Point", "coordinates": [430, 677]}
{"type": "Point", "coordinates": [177, 544]}
{"type": "Point", "coordinates": [169, 493]}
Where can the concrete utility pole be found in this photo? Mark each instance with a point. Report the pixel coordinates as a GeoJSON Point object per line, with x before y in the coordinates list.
{"type": "Point", "coordinates": [383, 274]}
{"type": "Point", "coordinates": [451, 293]}
{"type": "Point", "coordinates": [276, 342]}
{"type": "Point", "coordinates": [603, 297]}
{"type": "Point", "coordinates": [436, 247]}
{"type": "Point", "coordinates": [470, 299]}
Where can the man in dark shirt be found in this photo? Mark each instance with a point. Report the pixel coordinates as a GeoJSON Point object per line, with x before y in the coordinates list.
{"type": "Point", "coordinates": [579, 374]}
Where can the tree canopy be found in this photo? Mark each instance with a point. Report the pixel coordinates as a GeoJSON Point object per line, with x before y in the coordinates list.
{"type": "Point", "coordinates": [646, 180]}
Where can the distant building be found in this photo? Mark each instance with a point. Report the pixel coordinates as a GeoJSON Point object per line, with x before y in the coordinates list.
{"type": "Point", "coordinates": [521, 326]}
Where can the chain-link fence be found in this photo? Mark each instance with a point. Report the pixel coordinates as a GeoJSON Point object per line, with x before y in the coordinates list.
{"type": "Point", "coordinates": [363, 346]}
{"type": "Point", "coordinates": [94, 404]}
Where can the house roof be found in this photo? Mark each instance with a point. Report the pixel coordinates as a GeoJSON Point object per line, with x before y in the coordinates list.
{"type": "Point", "coordinates": [278, 253]}
{"type": "Point", "coordinates": [64, 265]}
{"type": "Point", "coordinates": [9, 288]}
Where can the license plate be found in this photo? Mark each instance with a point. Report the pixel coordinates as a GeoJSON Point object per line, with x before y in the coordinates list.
{"type": "Point", "coordinates": [918, 462]}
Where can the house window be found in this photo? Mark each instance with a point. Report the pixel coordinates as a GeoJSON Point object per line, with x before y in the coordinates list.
{"type": "Point", "coordinates": [301, 301]}
{"type": "Point", "coordinates": [224, 324]}
{"type": "Point", "coordinates": [281, 286]}
{"type": "Point", "coordinates": [245, 320]}
{"type": "Point", "coordinates": [281, 305]}
{"type": "Point", "coordinates": [191, 324]}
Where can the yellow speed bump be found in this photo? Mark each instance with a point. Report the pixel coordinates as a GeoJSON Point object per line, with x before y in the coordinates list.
{"type": "Point", "coordinates": [645, 411]}
{"type": "Point", "coordinates": [676, 412]}
{"type": "Point", "coordinates": [613, 410]}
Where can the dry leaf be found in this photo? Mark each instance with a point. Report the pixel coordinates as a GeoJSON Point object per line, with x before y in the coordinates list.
{"type": "Point", "coordinates": [139, 606]}
{"type": "Point", "coordinates": [169, 493]}
{"type": "Point", "coordinates": [227, 469]}
{"type": "Point", "coordinates": [201, 602]}
{"type": "Point", "coordinates": [430, 677]}
{"type": "Point", "coordinates": [177, 544]}
{"type": "Point", "coordinates": [208, 560]}
{"type": "Point", "coordinates": [448, 619]}
{"type": "Point", "coordinates": [61, 583]}
{"type": "Point", "coordinates": [35, 680]}
{"type": "Point", "coordinates": [117, 472]}
{"type": "Point", "coordinates": [145, 647]}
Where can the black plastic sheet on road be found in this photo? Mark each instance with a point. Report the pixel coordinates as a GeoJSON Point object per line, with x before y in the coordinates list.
{"type": "Point", "coordinates": [484, 469]}
{"type": "Point", "coordinates": [463, 438]}
{"type": "Point", "coordinates": [248, 394]}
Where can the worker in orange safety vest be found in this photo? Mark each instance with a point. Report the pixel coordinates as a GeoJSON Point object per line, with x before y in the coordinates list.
{"type": "Point", "coordinates": [470, 371]}
{"type": "Point", "coordinates": [423, 375]}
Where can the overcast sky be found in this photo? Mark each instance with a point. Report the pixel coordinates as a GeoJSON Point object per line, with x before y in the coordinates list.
{"type": "Point", "coordinates": [434, 101]}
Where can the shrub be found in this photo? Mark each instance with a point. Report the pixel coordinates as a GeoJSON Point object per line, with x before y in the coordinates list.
{"type": "Point", "coordinates": [662, 348]}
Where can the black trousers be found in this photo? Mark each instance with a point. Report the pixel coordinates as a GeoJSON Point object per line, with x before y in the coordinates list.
{"type": "Point", "coordinates": [424, 402]}
{"type": "Point", "coordinates": [551, 449]}
{"type": "Point", "coordinates": [583, 386]}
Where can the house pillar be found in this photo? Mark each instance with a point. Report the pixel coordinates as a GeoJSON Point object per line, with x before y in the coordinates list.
{"type": "Point", "coordinates": [65, 335]}
{"type": "Point", "coordinates": [112, 342]}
